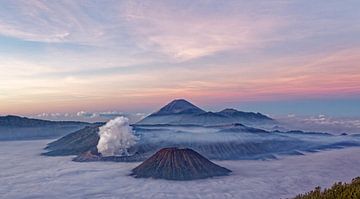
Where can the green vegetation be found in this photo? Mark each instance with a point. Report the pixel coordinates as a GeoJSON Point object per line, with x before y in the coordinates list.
{"type": "Point", "coordinates": [337, 191]}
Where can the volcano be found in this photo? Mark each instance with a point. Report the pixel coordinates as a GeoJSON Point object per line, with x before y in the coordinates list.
{"type": "Point", "coordinates": [181, 112]}
{"type": "Point", "coordinates": [178, 164]}
{"type": "Point", "coordinates": [179, 106]}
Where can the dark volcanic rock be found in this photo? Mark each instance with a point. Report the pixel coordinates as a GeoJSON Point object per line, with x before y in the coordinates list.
{"type": "Point", "coordinates": [178, 164]}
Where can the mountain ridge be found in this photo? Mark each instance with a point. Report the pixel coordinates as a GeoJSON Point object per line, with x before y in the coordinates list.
{"type": "Point", "coordinates": [23, 128]}
{"type": "Point", "coordinates": [182, 112]}
{"type": "Point", "coordinates": [18, 121]}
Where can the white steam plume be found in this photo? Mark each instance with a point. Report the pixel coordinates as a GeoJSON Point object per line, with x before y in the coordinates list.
{"type": "Point", "coordinates": [116, 136]}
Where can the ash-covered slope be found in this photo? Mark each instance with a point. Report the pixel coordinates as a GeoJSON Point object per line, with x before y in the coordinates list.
{"type": "Point", "coordinates": [19, 128]}
{"type": "Point", "coordinates": [182, 112]}
{"type": "Point", "coordinates": [74, 143]}
{"type": "Point", "coordinates": [178, 164]}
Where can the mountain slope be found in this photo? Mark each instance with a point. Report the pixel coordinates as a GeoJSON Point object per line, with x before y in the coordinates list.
{"type": "Point", "coordinates": [74, 143]}
{"type": "Point", "coordinates": [179, 106]}
{"type": "Point", "coordinates": [337, 191]}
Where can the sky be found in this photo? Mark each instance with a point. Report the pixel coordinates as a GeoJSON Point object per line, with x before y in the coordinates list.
{"type": "Point", "coordinates": [83, 57]}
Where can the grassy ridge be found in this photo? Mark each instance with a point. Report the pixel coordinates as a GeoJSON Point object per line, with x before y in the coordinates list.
{"type": "Point", "coordinates": [337, 191]}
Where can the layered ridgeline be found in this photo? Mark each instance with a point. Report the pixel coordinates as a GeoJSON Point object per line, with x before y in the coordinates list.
{"type": "Point", "coordinates": [235, 142]}
{"type": "Point", "coordinates": [182, 112]}
{"type": "Point", "coordinates": [229, 141]}
{"type": "Point", "coordinates": [178, 116]}
{"type": "Point", "coordinates": [18, 128]}
{"type": "Point", "coordinates": [223, 142]}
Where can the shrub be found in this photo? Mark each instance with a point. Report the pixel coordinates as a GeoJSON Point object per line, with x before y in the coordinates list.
{"type": "Point", "coordinates": [337, 191]}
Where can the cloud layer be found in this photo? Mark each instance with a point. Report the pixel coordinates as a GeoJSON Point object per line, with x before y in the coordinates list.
{"type": "Point", "coordinates": [90, 116]}
{"type": "Point", "coordinates": [322, 123]}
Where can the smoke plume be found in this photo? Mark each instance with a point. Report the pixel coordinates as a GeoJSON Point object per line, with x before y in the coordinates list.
{"type": "Point", "coordinates": [116, 137]}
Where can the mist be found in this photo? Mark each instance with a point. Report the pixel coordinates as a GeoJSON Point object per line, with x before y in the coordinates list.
{"type": "Point", "coordinates": [32, 176]}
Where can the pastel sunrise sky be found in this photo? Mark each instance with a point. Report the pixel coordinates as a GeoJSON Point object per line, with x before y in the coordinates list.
{"type": "Point", "coordinates": [276, 57]}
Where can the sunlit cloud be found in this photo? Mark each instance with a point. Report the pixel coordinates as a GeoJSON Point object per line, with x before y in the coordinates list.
{"type": "Point", "coordinates": [66, 56]}
{"type": "Point", "coordinates": [190, 33]}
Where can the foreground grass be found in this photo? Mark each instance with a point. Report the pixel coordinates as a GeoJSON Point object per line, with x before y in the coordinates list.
{"type": "Point", "coordinates": [337, 191]}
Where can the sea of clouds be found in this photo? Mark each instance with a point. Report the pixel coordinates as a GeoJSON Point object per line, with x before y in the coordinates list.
{"type": "Point", "coordinates": [321, 123]}
{"type": "Point", "coordinates": [26, 174]}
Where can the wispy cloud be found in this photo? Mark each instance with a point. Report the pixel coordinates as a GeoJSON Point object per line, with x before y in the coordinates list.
{"type": "Point", "coordinates": [52, 21]}
{"type": "Point", "coordinates": [187, 30]}
{"type": "Point", "coordinates": [87, 54]}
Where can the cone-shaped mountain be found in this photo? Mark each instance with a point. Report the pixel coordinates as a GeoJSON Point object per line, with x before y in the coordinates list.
{"type": "Point", "coordinates": [179, 106]}
{"type": "Point", "coordinates": [178, 164]}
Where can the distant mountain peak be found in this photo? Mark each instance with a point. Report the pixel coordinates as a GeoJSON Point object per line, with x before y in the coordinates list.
{"type": "Point", "coordinates": [179, 106]}
{"type": "Point", "coordinates": [229, 110]}
{"type": "Point", "coordinates": [182, 112]}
